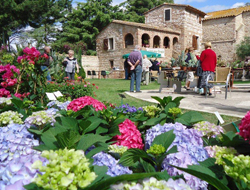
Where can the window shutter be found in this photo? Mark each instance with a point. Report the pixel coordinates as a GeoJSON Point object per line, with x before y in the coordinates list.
{"type": "Point", "coordinates": [167, 14]}
{"type": "Point", "coordinates": [194, 44]}
{"type": "Point", "coordinates": [105, 44]}
{"type": "Point", "coordinates": [199, 19]}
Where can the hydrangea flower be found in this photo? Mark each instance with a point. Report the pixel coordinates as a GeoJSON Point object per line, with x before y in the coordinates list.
{"type": "Point", "coordinates": [245, 127]}
{"type": "Point", "coordinates": [130, 135]}
{"type": "Point", "coordinates": [66, 169]}
{"type": "Point", "coordinates": [9, 117]}
{"type": "Point", "coordinates": [151, 111]}
{"type": "Point", "coordinates": [17, 156]}
{"type": "Point", "coordinates": [126, 108]}
{"type": "Point", "coordinates": [58, 105]}
{"type": "Point", "coordinates": [156, 149]}
{"type": "Point", "coordinates": [117, 149]}
{"type": "Point", "coordinates": [41, 118]}
{"type": "Point", "coordinates": [208, 129]}
{"type": "Point", "coordinates": [153, 184]}
{"type": "Point", "coordinates": [114, 169]}
{"type": "Point", "coordinates": [5, 101]}
{"type": "Point", "coordinates": [191, 151]}
{"type": "Point", "coordinates": [81, 102]}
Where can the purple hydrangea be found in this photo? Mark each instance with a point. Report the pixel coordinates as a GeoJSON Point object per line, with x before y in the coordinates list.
{"type": "Point", "coordinates": [191, 151]}
{"type": "Point", "coordinates": [129, 109]}
{"type": "Point", "coordinates": [16, 157]}
{"type": "Point", "coordinates": [114, 169]}
{"type": "Point", "coordinates": [58, 105]}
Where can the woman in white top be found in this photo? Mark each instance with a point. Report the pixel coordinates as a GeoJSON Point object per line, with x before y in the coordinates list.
{"type": "Point", "coordinates": [71, 64]}
{"type": "Point", "coordinates": [145, 68]}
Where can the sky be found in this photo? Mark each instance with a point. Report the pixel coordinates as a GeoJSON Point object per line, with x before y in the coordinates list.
{"type": "Point", "coordinates": [203, 5]}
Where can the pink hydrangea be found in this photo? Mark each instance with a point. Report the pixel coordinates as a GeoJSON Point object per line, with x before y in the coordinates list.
{"type": "Point", "coordinates": [81, 102]}
{"type": "Point", "coordinates": [245, 127]}
{"type": "Point", "coordinates": [4, 93]}
{"type": "Point", "coordinates": [130, 135]}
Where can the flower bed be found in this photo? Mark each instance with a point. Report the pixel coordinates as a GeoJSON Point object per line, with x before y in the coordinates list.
{"type": "Point", "coordinates": [85, 144]}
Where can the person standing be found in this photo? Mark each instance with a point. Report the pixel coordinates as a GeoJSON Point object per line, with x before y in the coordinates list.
{"type": "Point", "coordinates": [126, 69]}
{"type": "Point", "coordinates": [71, 63]}
{"type": "Point", "coordinates": [135, 62]}
{"type": "Point", "coordinates": [145, 67]}
{"type": "Point", "coordinates": [190, 74]}
{"type": "Point", "coordinates": [208, 63]}
{"type": "Point", "coordinates": [45, 65]}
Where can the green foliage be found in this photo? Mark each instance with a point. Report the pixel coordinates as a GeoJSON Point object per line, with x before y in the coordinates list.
{"type": "Point", "coordinates": [243, 49]}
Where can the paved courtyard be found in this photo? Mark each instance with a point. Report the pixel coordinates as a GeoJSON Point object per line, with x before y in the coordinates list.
{"type": "Point", "coordinates": [235, 105]}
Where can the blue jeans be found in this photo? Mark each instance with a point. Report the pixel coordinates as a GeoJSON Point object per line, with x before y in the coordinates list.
{"type": "Point", "coordinates": [45, 68]}
{"type": "Point", "coordinates": [126, 73]}
{"type": "Point", "coordinates": [136, 78]}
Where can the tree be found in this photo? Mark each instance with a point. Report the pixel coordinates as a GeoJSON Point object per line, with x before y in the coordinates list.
{"type": "Point", "coordinates": [136, 8]}
{"type": "Point", "coordinates": [16, 14]}
{"type": "Point", "coordinates": [243, 49]}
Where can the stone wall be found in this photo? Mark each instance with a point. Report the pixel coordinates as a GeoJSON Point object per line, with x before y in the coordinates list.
{"type": "Point", "coordinates": [239, 29]}
{"type": "Point", "coordinates": [181, 20]}
{"type": "Point", "coordinates": [246, 22]}
{"type": "Point", "coordinates": [90, 63]}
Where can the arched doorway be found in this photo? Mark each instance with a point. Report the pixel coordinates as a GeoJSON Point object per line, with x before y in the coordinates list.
{"type": "Point", "coordinates": [166, 42]}
{"type": "Point", "coordinates": [145, 40]}
{"type": "Point", "coordinates": [157, 40]}
{"type": "Point", "coordinates": [175, 41]}
{"type": "Point", "coordinates": [129, 40]}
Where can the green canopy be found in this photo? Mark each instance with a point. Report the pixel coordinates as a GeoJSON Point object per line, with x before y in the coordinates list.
{"type": "Point", "coordinates": [149, 54]}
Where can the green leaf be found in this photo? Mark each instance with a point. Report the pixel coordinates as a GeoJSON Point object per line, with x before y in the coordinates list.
{"type": "Point", "coordinates": [95, 122]}
{"type": "Point", "coordinates": [152, 121]}
{"type": "Point", "coordinates": [173, 150]}
{"type": "Point", "coordinates": [133, 155]}
{"type": "Point", "coordinates": [190, 118]}
{"type": "Point", "coordinates": [164, 139]}
{"type": "Point", "coordinates": [35, 131]}
{"type": "Point", "coordinates": [32, 186]}
{"type": "Point", "coordinates": [146, 166]}
{"type": "Point", "coordinates": [49, 140]}
{"type": "Point", "coordinates": [100, 130]}
{"type": "Point", "coordinates": [68, 139]}
{"type": "Point", "coordinates": [161, 101]}
{"type": "Point", "coordinates": [105, 184]}
{"type": "Point", "coordinates": [70, 123]}
{"type": "Point", "coordinates": [177, 100]}
{"type": "Point", "coordinates": [17, 102]}
{"type": "Point", "coordinates": [170, 105]}
{"type": "Point", "coordinates": [96, 150]}
{"type": "Point", "coordinates": [88, 140]}
{"type": "Point", "coordinates": [205, 174]}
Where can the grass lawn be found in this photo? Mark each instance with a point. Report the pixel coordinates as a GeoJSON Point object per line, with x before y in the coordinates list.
{"type": "Point", "coordinates": [109, 90]}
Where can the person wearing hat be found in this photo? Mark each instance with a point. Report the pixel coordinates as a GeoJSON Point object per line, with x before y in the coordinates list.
{"type": "Point", "coordinates": [208, 61]}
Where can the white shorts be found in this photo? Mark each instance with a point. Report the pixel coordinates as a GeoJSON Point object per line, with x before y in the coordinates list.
{"type": "Point", "coordinates": [190, 76]}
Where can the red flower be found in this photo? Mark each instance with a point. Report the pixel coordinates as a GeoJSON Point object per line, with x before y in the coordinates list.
{"type": "Point", "coordinates": [93, 84]}
{"type": "Point", "coordinates": [73, 88]}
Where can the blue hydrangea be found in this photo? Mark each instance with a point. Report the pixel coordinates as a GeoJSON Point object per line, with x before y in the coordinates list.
{"type": "Point", "coordinates": [17, 156]}
{"type": "Point", "coordinates": [114, 169]}
{"type": "Point", "coordinates": [58, 105]}
{"type": "Point", "coordinates": [126, 108]}
{"type": "Point", "coordinates": [191, 151]}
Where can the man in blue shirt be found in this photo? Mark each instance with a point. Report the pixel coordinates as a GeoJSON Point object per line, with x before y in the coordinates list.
{"type": "Point", "coordinates": [135, 62]}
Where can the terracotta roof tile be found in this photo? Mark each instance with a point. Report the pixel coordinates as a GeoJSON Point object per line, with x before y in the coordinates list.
{"type": "Point", "coordinates": [227, 13]}
{"type": "Point", "coordinates": [188, 7]}
{"type": "Point", "coordinates": [147, 26]}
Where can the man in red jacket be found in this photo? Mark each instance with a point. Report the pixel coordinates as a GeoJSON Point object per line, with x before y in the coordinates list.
{"type": "Point", "coordinates": [208, 61]}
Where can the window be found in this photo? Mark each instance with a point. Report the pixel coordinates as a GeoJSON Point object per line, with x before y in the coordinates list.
{"type": "Point", "coordinates": [111, 43]}
{"type": "Point", "coordinates": [167, 14]}
{"type": "Point", "coordinates": [111, 62]}
{"type": "Point", "coordinates": [129, 40]}
{"type": "Point", "coordinates": [105, 44]}
{"type": "Point", "coordinates": [195, 42]}
{"type": "Point", "coordinates": [166, 43]}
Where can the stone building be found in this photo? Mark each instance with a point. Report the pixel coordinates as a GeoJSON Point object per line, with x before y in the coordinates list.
{"type": "Point", "coordinates": [226, 29]}
{"type": "Point", "coordinates": [168, 29]}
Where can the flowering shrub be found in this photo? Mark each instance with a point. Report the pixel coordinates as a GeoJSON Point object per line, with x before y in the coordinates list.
{"type": "Point", "coordinates": [245, 127]}
{"type": "Point", "coordinates": [80, 103]}
{"type": "Point", "coordinates": [130, 135]}
{"type": "Point", "coordinates": [41, 118]}
{"type": "Point", "coordinates": [153, 183]}
{"type": "Point", "coordinates": [208, 129]}
{"type": "Point", "coordinates": [190, 146]}
{"type": "Point", "coordinates": [8, 73]}
{"type": "Point", "coordinates": [127, 109]}
{"type": "Point", "coordinates": [67, 169]}
{"type": "Point", "coordinates": [5, 102]}
{"type": "Point", "coordinates": [117, 149]}
{"type": "Point", "coordinates": [151, 111]}
{"type": "Point", "coordinates": [17, 156]}
{"type": "Point", "coordinates": [114, 169]}
{"type": "Point", "coordinates": [9, 117]}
